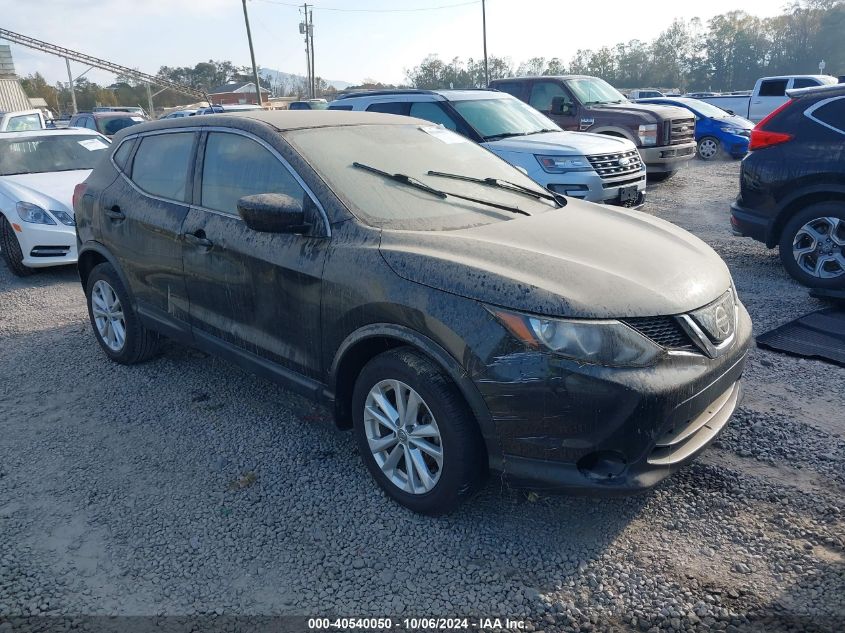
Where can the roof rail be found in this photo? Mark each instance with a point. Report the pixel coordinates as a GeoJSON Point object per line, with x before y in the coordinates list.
{"type": "Point", "coordinates": [376, 93]}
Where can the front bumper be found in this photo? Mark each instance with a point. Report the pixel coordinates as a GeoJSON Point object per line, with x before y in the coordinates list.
{"type": "Point", "coordinates": [589, 186]}
{"type": "Point", "coordinates": [46, 245]}
{"type": "Point", "coordinates": [599, 430]}
{"type": "Point", "coordinates": [667, 158]}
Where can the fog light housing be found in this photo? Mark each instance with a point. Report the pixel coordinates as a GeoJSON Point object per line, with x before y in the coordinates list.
{"type": "Point", "coordinates": [603, 465]}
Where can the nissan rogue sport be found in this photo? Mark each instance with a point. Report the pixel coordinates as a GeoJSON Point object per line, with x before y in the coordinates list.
{"type": "Point", "coordinates": [458, 316]}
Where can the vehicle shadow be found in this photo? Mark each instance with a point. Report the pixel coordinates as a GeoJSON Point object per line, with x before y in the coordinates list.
{"type": "Point", "coordinates": [41, 277]}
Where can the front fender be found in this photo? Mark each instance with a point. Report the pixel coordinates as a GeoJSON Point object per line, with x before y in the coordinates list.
{"type": "Point", "coordinates": [439, 355]}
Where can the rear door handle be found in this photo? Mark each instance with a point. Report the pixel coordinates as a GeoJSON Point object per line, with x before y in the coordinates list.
{"type": "Point", "coordinates": [198, 239]}
{"type": "Point", "coordinates": [115, 213]}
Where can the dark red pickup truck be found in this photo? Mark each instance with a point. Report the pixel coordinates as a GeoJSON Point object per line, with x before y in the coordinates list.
{"type": "Point", "coordinates": [664, 135]}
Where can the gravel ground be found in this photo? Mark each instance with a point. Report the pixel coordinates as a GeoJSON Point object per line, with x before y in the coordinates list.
{"type": "Point", "coordinates": [185, 486]}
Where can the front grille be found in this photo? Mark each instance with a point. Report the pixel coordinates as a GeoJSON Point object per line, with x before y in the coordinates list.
{"type": "Point", "coordinates": [681, 131]}
{"type": "Point", "coordinates": [607, 165]}
{"type": "Point", "coordinates": [49, 251]}
{"type": "Point", "coordinates": [663, 330]}
{"type": "Point", "coordinates": [683, 441]}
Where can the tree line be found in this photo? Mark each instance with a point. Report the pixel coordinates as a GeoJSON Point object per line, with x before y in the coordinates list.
{"type": "Point", "coordinates": [730, 52]}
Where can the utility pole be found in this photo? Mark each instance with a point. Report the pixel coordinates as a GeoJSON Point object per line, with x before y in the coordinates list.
{"type": "Point", "coordinates": [484, 30]}
{"type": "Point", "coordinates": [70, 85]}
{"type": "Point", "coordinates": [305, 29]}
{"type": "Point", "coordinates": [311, 40]}
{"type": "Point", "coordinates": [252, 57]}
{"type": "Point", "coordinates": [150, 100]}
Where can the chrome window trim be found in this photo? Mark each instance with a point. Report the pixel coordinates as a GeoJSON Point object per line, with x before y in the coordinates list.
{"type": "Point", "coordinates": [809, 113]}
{"type": "Point", "coordinates": [217, 128]}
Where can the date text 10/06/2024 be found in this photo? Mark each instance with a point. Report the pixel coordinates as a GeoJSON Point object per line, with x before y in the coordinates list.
{"type": "Point", "coordinates": [415, 624]}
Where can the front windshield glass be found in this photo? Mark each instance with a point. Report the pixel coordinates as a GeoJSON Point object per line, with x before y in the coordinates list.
{"type": "Point", "coordinates": [39, 154]}
{"type": "Point", "coordinates": [493, 118]}
{"type": "Point", "coordinates": [413, 150]}
{"type": "Point", "coordinates": [705, 109]}
{"type": "Point", "coordinates": [592, 90]}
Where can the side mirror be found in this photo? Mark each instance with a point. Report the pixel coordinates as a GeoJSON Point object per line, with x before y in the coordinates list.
{"type": "Point", "coordinates": [273, 213]}
{"type": "Point", "coordinates": [561, 106]}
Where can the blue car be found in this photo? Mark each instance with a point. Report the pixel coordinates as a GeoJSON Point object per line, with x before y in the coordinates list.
{"type": "Point", "coordinates": [717, 131]}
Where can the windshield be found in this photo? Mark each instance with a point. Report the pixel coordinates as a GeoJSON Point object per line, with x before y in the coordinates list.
{"type": "Point", "coordinates": [493, 118]}
{"type": "Point", "coordinates": [592, 90]}
{"type": "Point", "coordinates": [702, 108]}
{"type": "Point", "coordinates": [111, 126]}
{"type": "Point", "coordinates": [412, 150]}
{"type": "Point", "coordinates": [39, 154]}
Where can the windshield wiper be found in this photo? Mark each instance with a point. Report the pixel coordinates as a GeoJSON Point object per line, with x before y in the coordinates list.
{"type": "Point", "coordinates": [498, 137]}
{"type": "Point", "coordinates": [416, 184]}
{"type": "Point", "coordinates": [507, 185]}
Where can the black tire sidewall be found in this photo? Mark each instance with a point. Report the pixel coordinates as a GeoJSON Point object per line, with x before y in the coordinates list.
{"type": "Point", "coordinates": [11, 247]}
{"type": "Point", "coordinates": [462, 450]}
{"type": "Point", "coordinates": [818, 210]}
{"type": "Point", "coordinates": [132, 346]}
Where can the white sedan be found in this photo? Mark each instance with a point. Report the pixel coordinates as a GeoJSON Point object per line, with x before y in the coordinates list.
{"type": "Point", "coordinates": [38, 172]}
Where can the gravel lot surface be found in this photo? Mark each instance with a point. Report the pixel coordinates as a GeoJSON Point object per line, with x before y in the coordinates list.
{"type": "Point", "coordinates": [185, 486]}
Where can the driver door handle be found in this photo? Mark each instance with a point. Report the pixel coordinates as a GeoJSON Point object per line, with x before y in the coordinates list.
{"type": "Point", "coordinates": [198, 238]}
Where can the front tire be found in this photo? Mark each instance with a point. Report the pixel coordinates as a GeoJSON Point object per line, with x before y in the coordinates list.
{"type": "Point", "coordinates": [709, 148]}
{"type": "Point", "coordinates": [812, 246]}
{"type": "Point", "coordinates": [416, 433]}
{"type": "Point", "coordinates": [116, 325]}
{"type": "Point", "coordinates": [11, 249]}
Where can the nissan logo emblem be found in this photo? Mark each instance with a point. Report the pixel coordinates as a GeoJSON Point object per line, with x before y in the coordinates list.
{"type": "Point", "coordinates": [723, 322]}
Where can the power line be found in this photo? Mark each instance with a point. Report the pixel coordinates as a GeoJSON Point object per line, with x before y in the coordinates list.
{"type": "Point", "coordinates": [407, 10]}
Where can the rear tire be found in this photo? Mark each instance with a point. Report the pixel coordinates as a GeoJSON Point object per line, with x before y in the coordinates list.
{"type": "Point", "coordinates": [812, 246]}
{"type": "Point", "coordinates": [441, 423]}
{"type": "Point", "coordinates": [11, 249]}
{"type": "Point", "coordinates": [116, 325]}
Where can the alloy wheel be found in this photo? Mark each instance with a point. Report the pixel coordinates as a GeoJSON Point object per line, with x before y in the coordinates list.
{"type": "Point", "coordinates": [819, 247]}
{"type": "Point", "coordinates": [707, 148]}
{"type": "Point", "coordinates": [108, 315]}
{"type": "Point", "coordinates": [403, 436]}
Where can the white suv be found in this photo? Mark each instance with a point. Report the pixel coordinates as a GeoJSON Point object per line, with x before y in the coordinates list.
{"type": "Point", "coordinates": [591, 167]}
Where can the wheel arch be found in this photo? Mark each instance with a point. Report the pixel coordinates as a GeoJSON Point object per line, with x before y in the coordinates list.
{"type": "Point", "coordinates": [799, 200]}
{"type": "Point", "coordinates": [92, 255]}
{"type": "Point", "coordinates": [613, 131]}
{"type": "Point", "coordinates": [367, 342]}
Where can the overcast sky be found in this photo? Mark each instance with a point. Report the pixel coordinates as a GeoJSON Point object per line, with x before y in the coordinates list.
{"type": "Point", "coordinates": [350, 44]}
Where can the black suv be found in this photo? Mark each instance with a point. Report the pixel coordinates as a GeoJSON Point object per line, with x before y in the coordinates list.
{"type": "Point", "coordinates": [445, 305]}
{"type": "Point", "coordinates": [792, 186]}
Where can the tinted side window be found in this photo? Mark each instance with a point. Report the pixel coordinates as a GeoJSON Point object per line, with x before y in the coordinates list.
{"type": "Point", "coordinates": [390, 108]}
{"type": "Point", "coordinates": [513, 88]}
{"type": "Point", "coordinates": [773, 88]}
{"type": "Point", "coordinates": [122, 154]}
{"type": "Point", "coordinates": [804, 82]}
{"type": "Point", "coordinates": [433, 112]}
{"type": "Point", "coordinates": [236, 166]}
{"type": "Point", "coordinates": [340, 107]}
{"type": "Point", "coordinates": [542, 93]}
{"type": "Point", "coordinates": [832, 113]}
{"type": "Point", "coordinates": [162, 163]}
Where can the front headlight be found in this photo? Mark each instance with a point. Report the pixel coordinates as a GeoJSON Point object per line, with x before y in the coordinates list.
{"type": "Point", "coordinates": [648, 134]}
{"type": "Point", "coordinates": [33, 214]}
{"type": "Point", "coordinates": [64, 217]}
{"type": "Point", "coordinates": [600, 342]}
{"type": "Point", "coordinates": [739, 131]}
{"type": "Point", "coordinates": [563, 164]}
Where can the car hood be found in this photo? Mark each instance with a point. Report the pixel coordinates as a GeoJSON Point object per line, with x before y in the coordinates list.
{"type": "Point", "coordinates": [646, 111]}
{"type": "Point", "coordinates": [50, 190]}
{"type": "Point", "coordinates": [561, 143]}
{"type": "Point", "coordinates": [736, 121]}
{"type": "Point", "coordinates": [583, 260]}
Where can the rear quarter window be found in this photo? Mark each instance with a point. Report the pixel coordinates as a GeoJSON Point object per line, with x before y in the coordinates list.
{"type": "Point", "coordinates": [831, 114]}
{"type": "Point", "coordinates": [161, 165]}
{"type": "Point", "coordinates": [390, 108]}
